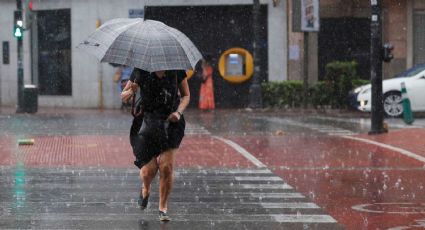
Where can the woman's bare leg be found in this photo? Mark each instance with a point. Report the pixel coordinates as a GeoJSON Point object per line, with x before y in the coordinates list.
{"type": "Point", "coordinates": [147, 174]}
{"type": "Point", "coordinates": [166, 165]}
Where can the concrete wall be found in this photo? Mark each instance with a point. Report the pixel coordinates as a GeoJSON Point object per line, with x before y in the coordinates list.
{"type": "Point", "coordinates": [8, 72]}
{"type": "Point", "coordinates": [87, 72]}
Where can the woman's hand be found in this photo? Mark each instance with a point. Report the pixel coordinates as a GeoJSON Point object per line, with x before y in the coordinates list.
{"type": "Point", "coordinates": [174, 117]}
{"type": "Point", "coordinates": [127, 95]}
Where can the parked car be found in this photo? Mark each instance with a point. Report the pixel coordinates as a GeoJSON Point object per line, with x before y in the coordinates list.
{"type": "Point", "coordinates": [414, 78]}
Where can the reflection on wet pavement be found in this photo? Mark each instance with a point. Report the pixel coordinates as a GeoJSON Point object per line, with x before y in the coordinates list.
{"type": "Point", "coordinates": [78, 174]}
{"type": "Point", "coordinates": [106, 199]}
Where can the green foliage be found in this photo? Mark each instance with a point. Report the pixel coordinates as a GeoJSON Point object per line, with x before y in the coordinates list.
{"type": "Point", "coordinates": [318, 94]}
{"type": "Point", "coordinates": [339, 81]}
{"type": "Point", "coordinates": [283, 94]}
{"type": "Point", "coordinates": [333, 91]}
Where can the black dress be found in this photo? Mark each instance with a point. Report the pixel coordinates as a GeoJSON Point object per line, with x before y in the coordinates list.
{"type": "Point", "coordinates": [160, 98]}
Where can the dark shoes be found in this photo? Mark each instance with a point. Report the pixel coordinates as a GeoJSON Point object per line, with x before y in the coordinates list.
{"type": "Point", "coordinates": [163, 216]}
{"type": "Point", "coordinates": [143, 202]}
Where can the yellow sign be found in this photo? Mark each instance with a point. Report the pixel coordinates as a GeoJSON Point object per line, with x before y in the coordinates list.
{"type": "Point", "coordinates": [236, 65]}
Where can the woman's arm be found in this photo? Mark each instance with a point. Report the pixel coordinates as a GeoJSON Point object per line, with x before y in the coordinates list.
{"type": "Point", "coordinates": [184, 102]}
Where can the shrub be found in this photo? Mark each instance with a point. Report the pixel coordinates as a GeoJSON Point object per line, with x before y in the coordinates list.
{"type": "Point", "coordinates": [283, 94]}
{"type": "Point", "coordinates": [339, 81]}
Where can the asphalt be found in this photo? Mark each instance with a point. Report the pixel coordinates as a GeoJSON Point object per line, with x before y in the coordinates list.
{"type": "Point", "coordinates": [236, 169]}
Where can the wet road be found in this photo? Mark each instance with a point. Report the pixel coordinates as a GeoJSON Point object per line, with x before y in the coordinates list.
{"type": "Point", "coordinates": [236, 170]}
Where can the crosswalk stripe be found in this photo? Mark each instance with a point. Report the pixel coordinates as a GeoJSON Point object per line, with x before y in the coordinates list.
{"type": "Point", "coordinates": [303, 218]}
{"type": "Point", "coordinates": [257, 178]}
{"type": "Point", "coordinates": [294, 205]}
{"type": "Point", "coordinates": [287, 195]}
{"type": "Point", "coordinates": [266, 186]}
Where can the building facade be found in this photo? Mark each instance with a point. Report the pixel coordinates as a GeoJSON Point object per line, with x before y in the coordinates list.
{"type": "Point", "coordinates": [68, 77]}
{"type": "Point", "coordinates": [345, 35]}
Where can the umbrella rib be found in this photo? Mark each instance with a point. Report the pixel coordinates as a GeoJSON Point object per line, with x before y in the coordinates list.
{"type": "Point", "coordinates": [131, 45]}
{"type": "Point", "coordinates": [112, 36]}
{"type": "Point", "coordinates": [162, 48]}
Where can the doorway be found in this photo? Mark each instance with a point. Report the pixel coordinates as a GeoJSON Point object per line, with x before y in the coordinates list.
{"type": "Point", "coordinates": [345, 39]}
{"type": "Point", "coordinates": [51, 46]}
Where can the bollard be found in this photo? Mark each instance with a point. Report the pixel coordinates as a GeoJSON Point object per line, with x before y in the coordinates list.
{"type": "Point", "coordinates": [407, 109]}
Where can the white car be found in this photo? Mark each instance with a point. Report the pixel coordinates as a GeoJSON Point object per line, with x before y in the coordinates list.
{"type": "Point", "coordinates": [414, 78]}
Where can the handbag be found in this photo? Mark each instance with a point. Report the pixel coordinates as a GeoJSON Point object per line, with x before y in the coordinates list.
{"type": "Point", "coordinates": [137, 107]}
{"type": "Point", "coordinates": [153, 126]}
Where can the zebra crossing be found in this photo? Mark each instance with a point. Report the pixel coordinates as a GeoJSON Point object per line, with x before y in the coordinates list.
{"type": "Point", "coordinates": [196, 129]}
{"type": "Point", "coordinates": [201, 198]}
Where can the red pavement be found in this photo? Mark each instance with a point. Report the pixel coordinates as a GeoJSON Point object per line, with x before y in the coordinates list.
{"type": "Point", "coordinates": [412, 140]}
{"type": "Point", "coordinates": [113, 151]}
{"type": "Point", "coordinates": [338, 174]}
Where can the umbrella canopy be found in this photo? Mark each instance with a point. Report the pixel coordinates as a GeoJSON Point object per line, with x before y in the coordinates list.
{"type": "Point", "coordinates": [149, 45]}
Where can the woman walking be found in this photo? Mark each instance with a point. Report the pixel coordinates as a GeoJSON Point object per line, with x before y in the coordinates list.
{"type": "Point", "coordinates": [156, 138]}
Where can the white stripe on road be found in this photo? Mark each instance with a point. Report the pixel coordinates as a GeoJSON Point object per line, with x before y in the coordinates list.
{"type": "Point", "coordinates": [277, 195]}
{"type": "Point", "coordinates": [266, 186]}
{"type": "Point", "coordinates": [243, 152]}
{"type": "Point", "coordinates": [294, 205]}
{"type": "Point", "coordinates": [390, 147]}
{"type": "Point", "coordinates": [294, 218]}
{"type": "Point", "coordinates": [258, 178]}
{"type": "Point", "coordinates": [249, 171]}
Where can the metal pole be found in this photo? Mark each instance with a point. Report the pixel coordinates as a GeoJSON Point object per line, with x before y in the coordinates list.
{"type": "Point", "coordinates": [305, 70]}
{"type": "Point", "coordinates": [20, 67]}
{"type": "Point", "coordinates": [255, 97]}
{"type": "Point", "coordinates": [377, 115]}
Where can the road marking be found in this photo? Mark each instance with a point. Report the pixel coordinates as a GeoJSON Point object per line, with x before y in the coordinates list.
{"type": "Point", "coordinates": [266, 186]}
{"type": "Point", "coordinates": [257, 178]}
{"type": "Point", "coordinates": [243, 152]}
{"type": "Point", "coordinates": [277, 195]}
{"type": "Point", "coordinates": [390, 147]}
{"type": "Point", "coordinates": [304, 218]}
{"type": "Point", "coordinates": [391, 208]}
{"type": "Point", "coordinates": [249, 171]}
{"type": "Point", "coordinates": [196, 129]}
{"type": "Point", "coordinates": [294, 205]}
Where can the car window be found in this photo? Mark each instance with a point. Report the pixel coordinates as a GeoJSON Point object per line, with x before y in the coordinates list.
{"type": "Point", "coordinates": [411, 72]}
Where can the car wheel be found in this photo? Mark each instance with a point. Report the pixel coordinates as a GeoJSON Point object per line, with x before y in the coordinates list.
{"type": "Point", "coordinates": [393, 106]}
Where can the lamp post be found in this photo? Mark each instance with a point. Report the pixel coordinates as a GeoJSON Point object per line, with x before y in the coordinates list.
{"type": "Point", "coordinates": [255, 97]}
